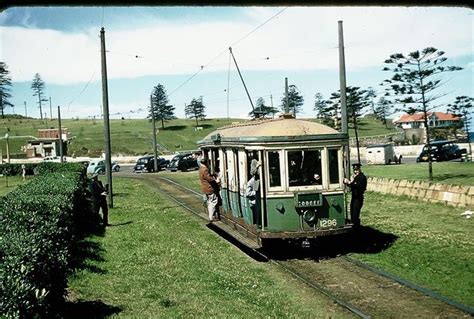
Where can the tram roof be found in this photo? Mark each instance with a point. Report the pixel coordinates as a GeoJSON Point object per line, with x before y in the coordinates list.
{"type": "Point", "coordinates": [281, 128]}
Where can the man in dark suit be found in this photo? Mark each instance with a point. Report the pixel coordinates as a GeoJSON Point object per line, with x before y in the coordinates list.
{"type": "Point", "coordinates": [99, 195]}
{"type": "Point", "coordinates": [358, 185]}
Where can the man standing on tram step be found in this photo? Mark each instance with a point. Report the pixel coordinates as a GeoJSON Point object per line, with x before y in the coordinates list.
{"type": "Point", "coordinates": [210, 188]}
{"type": "Point", "coordinates": [253, 191]}
{"type": "Point", "coordinates": [99, 194]}
{"type": "Point", "coordinates": [358, 185]}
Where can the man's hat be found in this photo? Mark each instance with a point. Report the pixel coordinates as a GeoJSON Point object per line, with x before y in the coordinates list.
{"type": "Point", "coordinates": [356, 166]}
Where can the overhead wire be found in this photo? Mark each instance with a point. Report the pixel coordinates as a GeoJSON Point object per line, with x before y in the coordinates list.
{"type": "Point", "coordinates": [225, 50]}
{"type": "Point", "coordinates": [83, 89]}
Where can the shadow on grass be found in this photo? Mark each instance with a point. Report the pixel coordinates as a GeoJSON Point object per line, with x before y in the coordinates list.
{"type": "Point", "coordinates": [85, 251]}
{"type": "Point", "coordinates": [175, 128]}
{"type": "Point", "coordinates": [88, 309]}
{"type": "Point", "coordinates": [442, 177]}
{"type": "Point", "coordinates": [365, 240]}
{"type": "Point", "coordinates": [121, 224]}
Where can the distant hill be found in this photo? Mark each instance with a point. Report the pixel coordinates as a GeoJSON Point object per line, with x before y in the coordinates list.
{"type": "Point", "coordinates": [134, 136]}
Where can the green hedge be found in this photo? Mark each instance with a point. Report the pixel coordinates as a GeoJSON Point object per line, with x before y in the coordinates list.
{"type": "Point", "coordinates": [38, 227]}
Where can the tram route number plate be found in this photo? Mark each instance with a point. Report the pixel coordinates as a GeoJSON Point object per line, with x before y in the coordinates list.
{"type": "Point", "coordinates": [326, 223]}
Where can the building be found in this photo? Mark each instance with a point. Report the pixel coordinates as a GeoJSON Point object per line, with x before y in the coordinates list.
{"type": "Point", "coordinates": [47, 143]}
{"type": "Point", "coordinates": [435, 119]}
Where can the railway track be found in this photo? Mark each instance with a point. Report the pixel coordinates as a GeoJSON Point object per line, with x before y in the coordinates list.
{"type": "Point", "coordinates": [360, 288]}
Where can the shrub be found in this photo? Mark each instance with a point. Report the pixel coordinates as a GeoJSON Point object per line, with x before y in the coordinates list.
{"type": "Point", "coordinates": [38, 227]}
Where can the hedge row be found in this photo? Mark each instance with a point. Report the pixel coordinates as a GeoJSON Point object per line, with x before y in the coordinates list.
{"type": "Point", "coordinates": [38, 227]}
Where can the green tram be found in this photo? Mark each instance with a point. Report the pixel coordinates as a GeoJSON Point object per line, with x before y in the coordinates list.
{"type": "Point", "coordinates": [300, 170]}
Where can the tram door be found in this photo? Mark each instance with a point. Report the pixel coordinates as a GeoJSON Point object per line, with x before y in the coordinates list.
{"type": "Point", "coordinates": [224, 178]}
{"type": "Point", "coordinates": [232, 182]}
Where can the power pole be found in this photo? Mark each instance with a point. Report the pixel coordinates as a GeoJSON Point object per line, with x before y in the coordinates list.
{"type": "Point", "coordinates": [26, 113]}
{"type": "Point", "coordinates": [155, 159]}
{"type": "Point", "coordinates": [45, 120]}
{"type": "Point", "coordinates": [105, 103]}
{"type": "Point", "coordinates": [50, 110]}
{"type": "Point", "coordinates": [287, 104]}
{"type": "Point", "coordinates": [271, 103]}
{"type": "Point", "coordinates": [61, 154]}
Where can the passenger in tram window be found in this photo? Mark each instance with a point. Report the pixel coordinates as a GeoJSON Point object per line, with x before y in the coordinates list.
{"type": "Point", "coordinates": [253, 191]}
{"type": "Point", "coordinates": [210, 188]}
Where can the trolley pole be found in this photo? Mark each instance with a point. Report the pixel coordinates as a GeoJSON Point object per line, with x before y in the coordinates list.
{"type": "Point", "coordinates": [287, 104]}
{"type": "Point", "coordinates": [60, 131]}
{"type": "Point", "coordinates": [342, 82]}
{"type": "Point", "coordinates": [155, 157]}
{"type": "Point", "coordinates": [105, 103]}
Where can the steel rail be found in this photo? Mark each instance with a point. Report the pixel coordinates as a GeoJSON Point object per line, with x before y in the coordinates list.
{"type": "Point", "coordinates": [411, 285]}
{"type": "Point", "coordinates": [294, 273]}
{"type": "Point", "coordinates": [379, 272]}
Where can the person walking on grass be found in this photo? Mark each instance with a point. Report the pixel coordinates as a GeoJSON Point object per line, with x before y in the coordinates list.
{"type": "Point", "coordinates": [210, 189]}
{"type": "Point", "coordinates": [358, 185]}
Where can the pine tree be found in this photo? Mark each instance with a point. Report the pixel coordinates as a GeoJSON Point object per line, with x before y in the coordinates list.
{"type": "Point", "coordinates": [295, 100]}
{"type": "Point", "coordinates": [5, 84]}
{"type": "Point", "coordinates": [195, 109]}
{"type": "Point", "coordinates": [38, 87]}
{"type": "Point", "coordinates": [415, 81]}
{"type": "Point", "coordinates": [262, 110]}
{"type": "Point", "coordinates": [160, 108]}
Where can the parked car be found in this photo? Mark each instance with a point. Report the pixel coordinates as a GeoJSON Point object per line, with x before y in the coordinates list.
{"type": "Point", "coordinates": [441, 151]}
{"type": "Point", "coordinates": [183, 162]}
{"type": "Point", "coordinates": [98, 166]}
{"type": "Point", "coordinates": [146, 164]}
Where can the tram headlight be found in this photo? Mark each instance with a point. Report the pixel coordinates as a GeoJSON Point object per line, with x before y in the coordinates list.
{"type": "Point", "coordinates": [309, 216]}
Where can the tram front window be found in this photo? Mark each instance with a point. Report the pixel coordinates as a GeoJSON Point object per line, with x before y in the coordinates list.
{"type": "Point", "coordinates": [333, 167]}
{"type": "Point", "coordinates": [304, 168]}
{"type": "Point", "coordinates": [274, 168]}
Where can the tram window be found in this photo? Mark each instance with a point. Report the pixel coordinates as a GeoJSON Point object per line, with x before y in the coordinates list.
{"type": "Point", "coordinates": [333, 167]}
{"type": "Point", "coordinates": [250, 156]}
{"type": "Point", "coordinates": [274, 168]}
{"type": "Point", "coordinates": [304, 168]}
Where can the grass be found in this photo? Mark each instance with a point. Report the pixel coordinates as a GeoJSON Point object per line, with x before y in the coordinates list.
{"type": "Point", "coordinates": [455, 173]}
{"type": "Point", "coordinates": [133, 136]}
{"type": "Point", "coordinates": [159, 261]}
{"type": "Point", "coordinates": [7, 184]}
{"type": "Point", "coordinates": [434, 247]}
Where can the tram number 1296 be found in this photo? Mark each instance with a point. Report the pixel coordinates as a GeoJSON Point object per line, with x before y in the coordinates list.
{"type": "Point", "coordinates": [325, 223]}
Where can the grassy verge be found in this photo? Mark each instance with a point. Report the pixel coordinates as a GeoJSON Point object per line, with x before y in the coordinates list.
{"type": "Point", "coordinates": [158, 261]}
{"type": "Point", "coordinates": [434, 246]}
{"type": "Point", "coordinates": [455, 173]}
{"type": "Point", "coordinates": [7, 184]}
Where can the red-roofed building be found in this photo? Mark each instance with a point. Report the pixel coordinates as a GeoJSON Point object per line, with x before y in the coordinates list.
{"type": "Point", "coordinates": [435, 119]}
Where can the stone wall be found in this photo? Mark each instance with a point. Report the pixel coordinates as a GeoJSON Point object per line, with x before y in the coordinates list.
{"type": "Point", "coordinates": [460, 196]}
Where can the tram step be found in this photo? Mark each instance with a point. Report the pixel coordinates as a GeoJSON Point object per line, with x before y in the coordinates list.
{"type": "Point", "coordinates": [232, 232]}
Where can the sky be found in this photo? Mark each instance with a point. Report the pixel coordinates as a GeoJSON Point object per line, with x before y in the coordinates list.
{"type": "Point", "coordinates": [186, 50]}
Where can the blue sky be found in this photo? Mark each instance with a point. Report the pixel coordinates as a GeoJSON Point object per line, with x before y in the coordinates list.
{"type": "Point", "coordinates": [167, 45]}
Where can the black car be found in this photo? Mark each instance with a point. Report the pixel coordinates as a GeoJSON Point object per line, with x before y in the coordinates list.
{"type": "Point", "coordinates": [146, 164]}
{"type": "Point", "coordinates": [441, 151]}
{"type": "Point", "coordinates": [183, 162]}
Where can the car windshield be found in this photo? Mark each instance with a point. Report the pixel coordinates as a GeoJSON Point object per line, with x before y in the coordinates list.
{"type": "Point", "coordinates": [142, 160]}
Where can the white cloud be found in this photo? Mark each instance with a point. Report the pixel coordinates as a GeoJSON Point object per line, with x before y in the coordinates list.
{"type": "Point", "coordinates": [298, 39]}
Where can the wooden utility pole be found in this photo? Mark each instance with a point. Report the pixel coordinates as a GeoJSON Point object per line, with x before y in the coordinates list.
{"type": "Point", "coordinates": [342, 83]}
{"type": "Point", "coordinates": [287, 104]}
{"type": "Point", "coordinates": [155, 157]}
{"type": "Point", "coordinates": [50, 110]}
{"type": "Point", "coordinates": [26, 113]}
{"type": "Point", "coordinates": [61, 154]}
{"type": "Point", "coordinates": [105, 104]}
